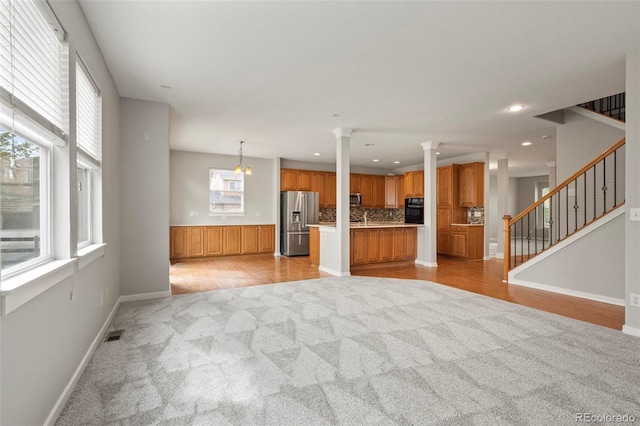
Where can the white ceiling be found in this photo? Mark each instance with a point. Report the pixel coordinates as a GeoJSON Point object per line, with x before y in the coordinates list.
{"type": "Point", "coordinates": [400, 73]}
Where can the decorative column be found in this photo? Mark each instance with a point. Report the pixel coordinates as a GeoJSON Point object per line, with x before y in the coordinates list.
{"type": "Point", "coordinates": [427, 241]}
{"type": "Point", "coordinates": [632, 195]}
{"type": "Point", "coordinates": [486, 204]}
{"type": "Point", "coordinates": [343, 144]}
{"type": "Point", "coordinates": [503, 199]}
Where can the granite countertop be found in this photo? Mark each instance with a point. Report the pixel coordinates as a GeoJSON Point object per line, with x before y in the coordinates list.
{"type": "Point", "coordinates": [360, 225]}
{"type": "Point", "coordinates": [467, 224]}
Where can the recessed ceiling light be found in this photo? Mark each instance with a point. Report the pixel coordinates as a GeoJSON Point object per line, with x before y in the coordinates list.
{"type": "Point", "coordinates": [375, 160]}
{"type": "Point", "coordinates": [316, 153]}
{"type": "Point", "coordinates": [164, 86]}
{"type": "Point", "coordinates": [526, 143]}
{"type": "Point", "coordinates": [396, 162]}
{"type": "Point", "coordinates": [437, 153]}
{"type": "Point", "coordinates": [515, 108]}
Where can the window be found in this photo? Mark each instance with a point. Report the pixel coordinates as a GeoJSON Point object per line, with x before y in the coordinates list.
{"type": "Point", "coordinates": [226, 192]}
{"type": "Point", "coordinates": [33, 121]}
{"type": "Point", "coordinates": [89, 143]}
{"type": "Point", "coordinates": [542, 189]}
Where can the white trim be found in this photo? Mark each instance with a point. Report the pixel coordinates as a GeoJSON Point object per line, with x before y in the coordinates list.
{"type": "Point", "coordinates": [19, 289]}
{"type": "Point", "coordinates": [575, 293]}
{"type": "Point", "coordinates": [599, 117]}
{"type": "Point", "coordinates": [68, 390]}
{"type": "Point", "coordinates": [566, 242]}
{"type": "Point", "coordinates": [632, 331]}
{"type": "Point", "coordinates": [425, 263]}
{"type": "Point", "coordinates": [89, 254]}
{"type": "Point", "coordinates": [144, 296]}
{"type": "Point", "coordinates": [277, 254]}
{"type": "Point", "coordinates": [334, 272]}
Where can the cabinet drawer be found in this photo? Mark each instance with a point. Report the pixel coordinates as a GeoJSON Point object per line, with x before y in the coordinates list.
{"type": "Point", "coordinates": [459, 229]}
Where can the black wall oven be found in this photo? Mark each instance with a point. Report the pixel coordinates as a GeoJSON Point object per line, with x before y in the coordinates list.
{"type": "Point", "coordinates": [414, 210]}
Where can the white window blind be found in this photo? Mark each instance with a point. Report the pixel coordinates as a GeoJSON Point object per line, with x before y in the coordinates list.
{"type": "Point", "coordinates": [89, 115]}
{"type": "Point", "coordinates": [32, 60]}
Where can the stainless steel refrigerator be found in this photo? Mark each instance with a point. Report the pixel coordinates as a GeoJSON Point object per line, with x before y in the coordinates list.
{"type": "Point", "coordinates": [298, 209]}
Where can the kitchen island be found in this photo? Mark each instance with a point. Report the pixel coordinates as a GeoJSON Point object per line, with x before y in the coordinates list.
{"type": "Point", "coordinates": [373, 242]}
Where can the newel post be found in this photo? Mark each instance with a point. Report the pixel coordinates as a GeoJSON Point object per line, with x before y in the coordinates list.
{"type": "Point", "coordinates": [506, 262]}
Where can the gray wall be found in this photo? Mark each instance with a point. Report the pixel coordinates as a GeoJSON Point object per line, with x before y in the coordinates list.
{"type": "Point", "coordinates": [579, 140]}
{"type": "Point", "coordinates": [144, 212]}
{"type": "Point", "coordinates": [189, 176]}
{"type": "Point", "coordinates": [527, 191]}
{"type": "Point", "coordinates": [43, 342]}
{"type": "Point", "coordinates": [579, 266]}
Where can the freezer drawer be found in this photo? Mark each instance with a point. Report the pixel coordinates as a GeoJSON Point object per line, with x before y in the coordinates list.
{"type": "Point", "coordinates": [297, 244]}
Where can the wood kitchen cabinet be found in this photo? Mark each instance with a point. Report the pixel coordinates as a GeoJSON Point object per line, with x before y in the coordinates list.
{"type": "Point", "coordinates": [213, 245]}
{"type": "Point", "coordinates": [379, 191]}
{"type": "Point", "coordinates": [366, 190]}
{"type": "Point", "coordinates": [249, 240]}
{"type": "Point", "coordinates": [391, 192]}
{"type": "Point", "coordinates": [195, 241]}
{"type": "Point", "coordinates": [330, 196]}
{"type": "Point", "coordinates": [319, 185]}
{"type": "Point", "coordinates": [295, 180]}
{"type": "Point", "coordinates": [414, 184]}
{"type": "Point", "coordinates": [471, 185]}
{"type": "Point", "coordinates": [266, 238]}
{"type": "Point", "coordinates": [467, 241]}
{"type": "Point", "coordinates": [178, 243]}
{"type": "Point", "coordinates": [380, 245]}
{"type": "Point", "coordinates": [443, 230]}
{"type": "Point", "coordinates": [314, 245]}
{"type": "Point", "coordinates": [354, 183]}
{"type": "Point", "coordinates": [401, 193]}
{"type": "Point", "coordinates": [358, 246]}
{"type": "Point", "coordinates": [404, 243]}
{"type": "Point", "coordinates": [447, 185]}
{"type": "Point", "coordinates": [211, 241]}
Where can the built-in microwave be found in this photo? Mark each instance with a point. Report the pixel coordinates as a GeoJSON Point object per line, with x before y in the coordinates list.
{"type": "Point", "coordinates": [355, 199]}
{"type": "Point", "coordinates": [414, 210]}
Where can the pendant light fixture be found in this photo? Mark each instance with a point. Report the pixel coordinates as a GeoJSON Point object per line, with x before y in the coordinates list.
{"type": "Point", "coordinates": [241, 168]}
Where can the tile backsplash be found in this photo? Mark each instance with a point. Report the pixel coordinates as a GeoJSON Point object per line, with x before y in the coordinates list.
{"type": "Point", "coordinates": [356, 214]}
{"type": "Point", "coordinates": [475, 215]}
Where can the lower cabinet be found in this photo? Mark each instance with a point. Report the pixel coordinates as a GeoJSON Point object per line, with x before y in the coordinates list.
{"type": "Point", "coordinates": [372, 245]}
{"type": "Point", "coordinates": [467, 242]}
{"type": "Point", "coordinates": [207, 241]}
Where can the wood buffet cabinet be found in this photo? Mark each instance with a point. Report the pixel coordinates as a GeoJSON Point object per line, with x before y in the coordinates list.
{"type": "Point", "coordinates": [208, 241]}
{"type": "Point", "coordinates": [378, 245]}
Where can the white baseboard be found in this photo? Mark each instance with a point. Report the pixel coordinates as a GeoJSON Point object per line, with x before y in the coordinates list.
{"type": "Point", "coordinates": [499, 255]}
{"type": "Point", "coordinates": [575, 293]}
{"type": "Point", "coordinates": [632, 331]}
{"type": "Point", "coordinates": [62, 400]}
{"type": "Point", "coordinates": [334, 272]}
{"type": "Point", "coordinates": [144, 296]}
{"type": "Point", "coordinates": [427, 264]}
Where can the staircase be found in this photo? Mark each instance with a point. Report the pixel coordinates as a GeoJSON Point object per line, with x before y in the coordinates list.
{"type": "Point", "coordinates": [591, 193]}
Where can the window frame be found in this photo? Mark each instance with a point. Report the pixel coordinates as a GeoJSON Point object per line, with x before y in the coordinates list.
{"type": "Point", "coordinates": [241, 176]}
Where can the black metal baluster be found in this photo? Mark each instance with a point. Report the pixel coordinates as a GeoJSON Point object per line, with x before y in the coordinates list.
{"type": "Point", "coordinates": [528, 235]}
{"type": "Point", "coordinates": [551, 220]}
{"type": "Point", "coordinates": [566, 229]}
{"type": "Point", "coordinates": [594, 192]}
{"type": "Point", "coordinates": [584, 175]}
{"type": "Point", "coordinates": [542, 205]}
{"type": "Point", "coordinates": [575, 204]}
{"type": "Point", "coordinates": [535, 231]}
{"type": "Point", "coordinates": [522, 240]}
{"type": "Point", "coordinates": [615, 178]}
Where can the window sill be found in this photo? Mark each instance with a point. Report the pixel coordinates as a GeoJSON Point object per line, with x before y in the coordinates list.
{"type": "Point", "coordinates": [89, 254]}
{"type": "Point", "coordinates": [18, 290]}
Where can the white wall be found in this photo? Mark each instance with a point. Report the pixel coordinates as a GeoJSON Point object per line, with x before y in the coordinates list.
{"type": "Point", "coordinates": [579, 140]}
{"type": "Point", "coordinates": [527, 191]}
{"type": "Point", "coordinates": [580, 267]}
{"type": "Point", "coordinates": [189, 177]}
{"type": "Point", "coordinates": [43, 342]}
{"type": "Point", "coordinates": [144, 212]}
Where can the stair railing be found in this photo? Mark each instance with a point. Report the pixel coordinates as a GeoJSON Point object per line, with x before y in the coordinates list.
{"type": "Point", "coordinates": [612, 106]}
{"type": "Point", "coordinates": [592, 192]}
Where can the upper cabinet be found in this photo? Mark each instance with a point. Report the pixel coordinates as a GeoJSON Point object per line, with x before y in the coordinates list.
{"type": "Point", "coordinates": [295, 180]}
{"type": "Point", "coordinates": [391, 192]}
{"type": "Point", "coordinates": [414, 184]}
{"type": "Point", "coordinates": [447, 185]}
{"type": "Point", "coordinates": [471, 185]}
{"type": "Point", "coordinates": [319, 185]}
{"type": "Point", "coordinates": [354, 183]}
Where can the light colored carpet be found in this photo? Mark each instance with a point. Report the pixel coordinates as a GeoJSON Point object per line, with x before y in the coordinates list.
{"type": "Point", "coordinates": [354, 351]}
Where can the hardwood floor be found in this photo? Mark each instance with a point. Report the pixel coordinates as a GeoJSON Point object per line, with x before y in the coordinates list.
{"type": "Point", "coordinates": [483, 277]}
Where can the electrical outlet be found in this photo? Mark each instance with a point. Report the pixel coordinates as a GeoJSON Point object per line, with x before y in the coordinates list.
{"type": "Point", "coordinates": [634, 300]}
{"type": "Point", "coordinates": [73, 296]}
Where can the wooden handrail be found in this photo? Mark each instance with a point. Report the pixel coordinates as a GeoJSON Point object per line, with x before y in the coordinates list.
{"type": "Point", "coordinates": [604, 115]}
{"type": "Point", "coordinates": [567, 181]}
